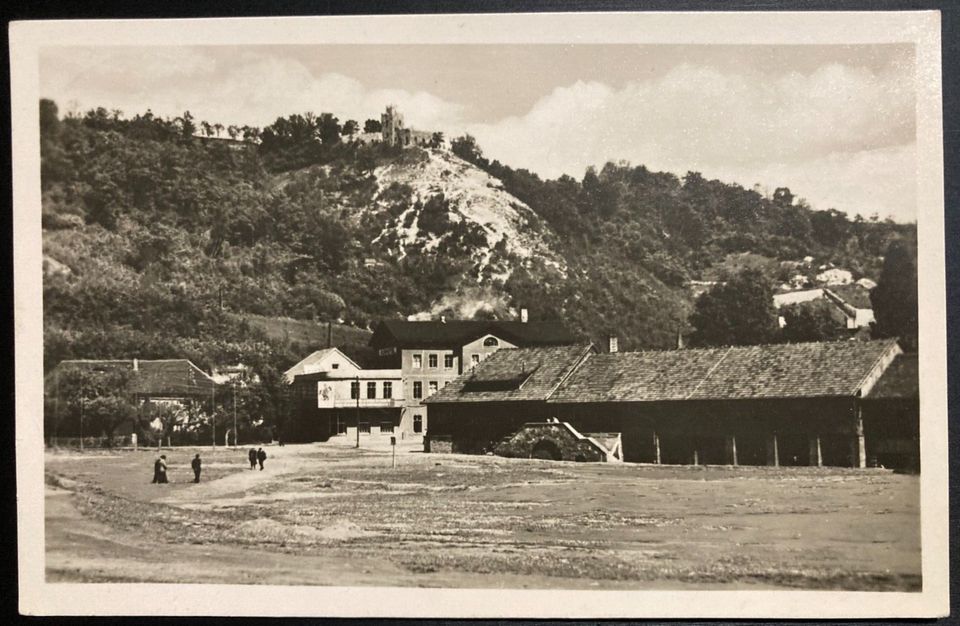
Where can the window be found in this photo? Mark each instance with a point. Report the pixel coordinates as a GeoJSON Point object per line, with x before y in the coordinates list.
{"type": "Point", "coordinates": [371, 390]}
{"type": "Point", "coordinates": [388, 389]}
{"type": "Point", "coordinates": [341, 425]}
{"type": "Point", "coordinates": [448, 361]}
{"type": "Point", "coordinates": [432, 361]}
{"type": "Point", "coordinates": [355, 390]}
{"type": "Point", "coordinates": [386, 427]}
{"type": "Point", "coordinates": [417, 389]}
{"type": "Point", "coordinates": [335, 366]}
{"type": "Point", "coordinates": [418, 423]}
{"type": "Point", "coordinates": [474, 359]}
{"type": "Point", "coordinates": [432, 387]}
{"type": "Point", "coordinates": [365, 427]}
{"type": "Point", "coordinates": [418, 361]}
{"type": "Point", "coordinates": [491, 342]}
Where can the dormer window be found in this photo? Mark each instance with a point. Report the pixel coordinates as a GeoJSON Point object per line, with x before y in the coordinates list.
{"type": "Point", "coordinates": [490, 342]}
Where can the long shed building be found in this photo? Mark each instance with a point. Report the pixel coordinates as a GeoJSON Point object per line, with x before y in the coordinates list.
{"type": "Point", "coordinates": [785, 404]}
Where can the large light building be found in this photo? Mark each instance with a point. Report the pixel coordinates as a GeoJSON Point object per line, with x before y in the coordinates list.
{"type": "Point", "coordinates": [415, 360]}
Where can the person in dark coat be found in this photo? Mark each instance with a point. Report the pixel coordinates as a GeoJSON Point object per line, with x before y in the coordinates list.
{"type": "Point", "coordinates": [252, 455]}
{"type": "Point", "coordinates": [162, 470]}
{"type": "Point", "coordinates": [261, 457]}
{"type": "Point", "coordinates": [196, 464]}
{"type": "Point", "coordinates": [156, 471]}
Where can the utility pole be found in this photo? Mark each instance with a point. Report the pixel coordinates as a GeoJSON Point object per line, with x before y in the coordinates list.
{"type": "Point", "coordinates": [213, 414]}
{"type": "Point", "coordinates": [358, 411]}
{"type": "Point", "coordinates": [82, 391]}
{"type": "Point", "coordinates": [234, 413]}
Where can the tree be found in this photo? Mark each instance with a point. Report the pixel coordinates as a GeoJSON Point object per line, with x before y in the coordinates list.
{"type": "Point", "coordinates": [738, 311]}
{"type": "Point", "coordinates": [350, 128]}
{"type": "Point", "coordinates": [372, 126]}
{"type": "Point", "coordinates": [94, 402]}
{"type": "Point", "coordinates": [328, 129]}
{"type": "Point", "coordinates": [436, 140]}
{"type": "Point", "coordinates": [207, 128]}
{"type": "Point", "coordinates": [894, 299]}
{"type": "Point", "coordinates": [187, 126]}
{"type": "Point", "coordinates": [812, 321]}
{"type": "Point", "coordinates": [218, 127]}
{"type": "Point", "coordinates": [49, 118]}
{"type": "Point", "coordinates": [233, 131]}
{"type": "Point", "coordinates": [467, 149]}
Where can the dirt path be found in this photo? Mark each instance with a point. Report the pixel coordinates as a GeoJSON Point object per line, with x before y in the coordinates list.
{"type": "Point", "coordinates": [332, 515]}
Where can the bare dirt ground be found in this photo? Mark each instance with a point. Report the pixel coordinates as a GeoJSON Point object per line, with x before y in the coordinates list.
{"type": "Point", "coordinates": [326, 514]}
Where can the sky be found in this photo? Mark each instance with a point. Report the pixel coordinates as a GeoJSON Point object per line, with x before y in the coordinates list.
{"type": "Point", "coordinates": [836, 124]}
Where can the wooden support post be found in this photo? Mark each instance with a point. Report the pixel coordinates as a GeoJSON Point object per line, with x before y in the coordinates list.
{"type": "Point", "coordinates": [773, 452]}
{"type": "Point", "coordinates": [656, 448]}
{"type": "Point", "coordinates": [816, 454]}
{"type": "Point", "coordinates": [696, 456]}
{"type": "Point", "coordinates": [858, 445]}
{"type": "Point", "coordinates": [732, 450]}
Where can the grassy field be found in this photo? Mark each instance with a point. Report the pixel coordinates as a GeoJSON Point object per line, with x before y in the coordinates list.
{"type": "Point", "coordinates": [305, 332]}
{"type": "Point", "coordinates": [329, 514]}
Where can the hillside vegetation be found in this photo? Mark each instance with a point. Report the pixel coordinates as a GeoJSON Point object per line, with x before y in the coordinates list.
{"type": "Point", "coordinates": [158, 243]}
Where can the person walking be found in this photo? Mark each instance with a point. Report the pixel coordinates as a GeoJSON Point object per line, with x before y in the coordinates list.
{"type": "Point", "coordinates": [196, 464]}
{"type": "Point", "coordinates": [252, 455]}
{"type": "Point", "coordinates": [162, 469]}
{"type": "Point", "coordinates": [261, 457]}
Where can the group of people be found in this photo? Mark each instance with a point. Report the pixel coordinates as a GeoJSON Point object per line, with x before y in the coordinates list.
{"type": "Point", "coordinates": [256, 457]}
{"type": "Point", "coordinates": [160, 469]}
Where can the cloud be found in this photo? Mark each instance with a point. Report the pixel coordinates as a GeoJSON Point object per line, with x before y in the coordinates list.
{"type": "Point", "coordinates": [251, 88]}
{"type": "Point", "coordinates": [841, 136]}
{"type": "Point", "coordinates": [829, 133]}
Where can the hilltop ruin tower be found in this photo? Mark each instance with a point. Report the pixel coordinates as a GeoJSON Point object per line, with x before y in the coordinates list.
{"type": "Point", "coordinates": [395, 133]}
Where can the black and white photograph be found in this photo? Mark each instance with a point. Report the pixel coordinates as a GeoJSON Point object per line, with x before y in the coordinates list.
{"type": "Point", "coordinates": [544, 315]}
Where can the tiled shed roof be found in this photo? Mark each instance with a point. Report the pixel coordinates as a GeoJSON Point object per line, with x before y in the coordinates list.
{"type": "Point", "coordinates": [537, 372]}
{"type": "Point", "coordinates": [164, 377]}
{"type": "Point", "coordinates": [769, 371]}
{"type": "Point", "coordinates": [900, 380]}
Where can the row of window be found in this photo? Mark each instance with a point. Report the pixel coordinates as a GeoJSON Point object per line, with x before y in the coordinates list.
{"type": "Point", "coordinates": [432, 387]}
{"type": "Point", "coordinates": [432, 360]}
{"type": "Point", "coordinates": [385, 427]}
{"type": "Point", "coordinates": [371, 390]}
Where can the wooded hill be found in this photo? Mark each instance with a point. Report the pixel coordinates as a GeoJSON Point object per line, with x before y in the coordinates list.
{"type": "Point", "coordinates": [159, 243]}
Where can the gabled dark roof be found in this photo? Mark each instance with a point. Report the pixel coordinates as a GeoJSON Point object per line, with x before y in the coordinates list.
{"type": "Point", "coordinates": [802, 370]}
{"type": "Point", "coordinates": [509, 374]}
{"type": "Point", "coordinates": [163, 377]}
{"type": "Point", "coordinates": [853, 294]}
{"type": "Point", "coordinates": [900, 380]}
{"type": "Point", "coordinates": [429, 334]}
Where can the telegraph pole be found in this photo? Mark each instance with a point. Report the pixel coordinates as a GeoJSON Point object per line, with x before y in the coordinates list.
{"type": "Point", "coordinates": [234, 413]}
{"type": "Point", "coordinates": [358, 411]}
{"type": "Point", "coordinates": [213, 414]}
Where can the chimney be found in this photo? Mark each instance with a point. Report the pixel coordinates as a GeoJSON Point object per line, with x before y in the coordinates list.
{"type": "Point", "coordinates": [523, 315]}
{"type": "Point", "coordinates": [136, 365]}
{"type": "Point", "coordinates": [613, 344]}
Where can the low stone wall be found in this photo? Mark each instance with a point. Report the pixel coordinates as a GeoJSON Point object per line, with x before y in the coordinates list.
{"type": "Point", "coordinates": [550, 440]}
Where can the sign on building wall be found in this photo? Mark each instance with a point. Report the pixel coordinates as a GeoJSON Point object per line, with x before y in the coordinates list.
{"type": "Point", "coordinates": [324, 395]}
